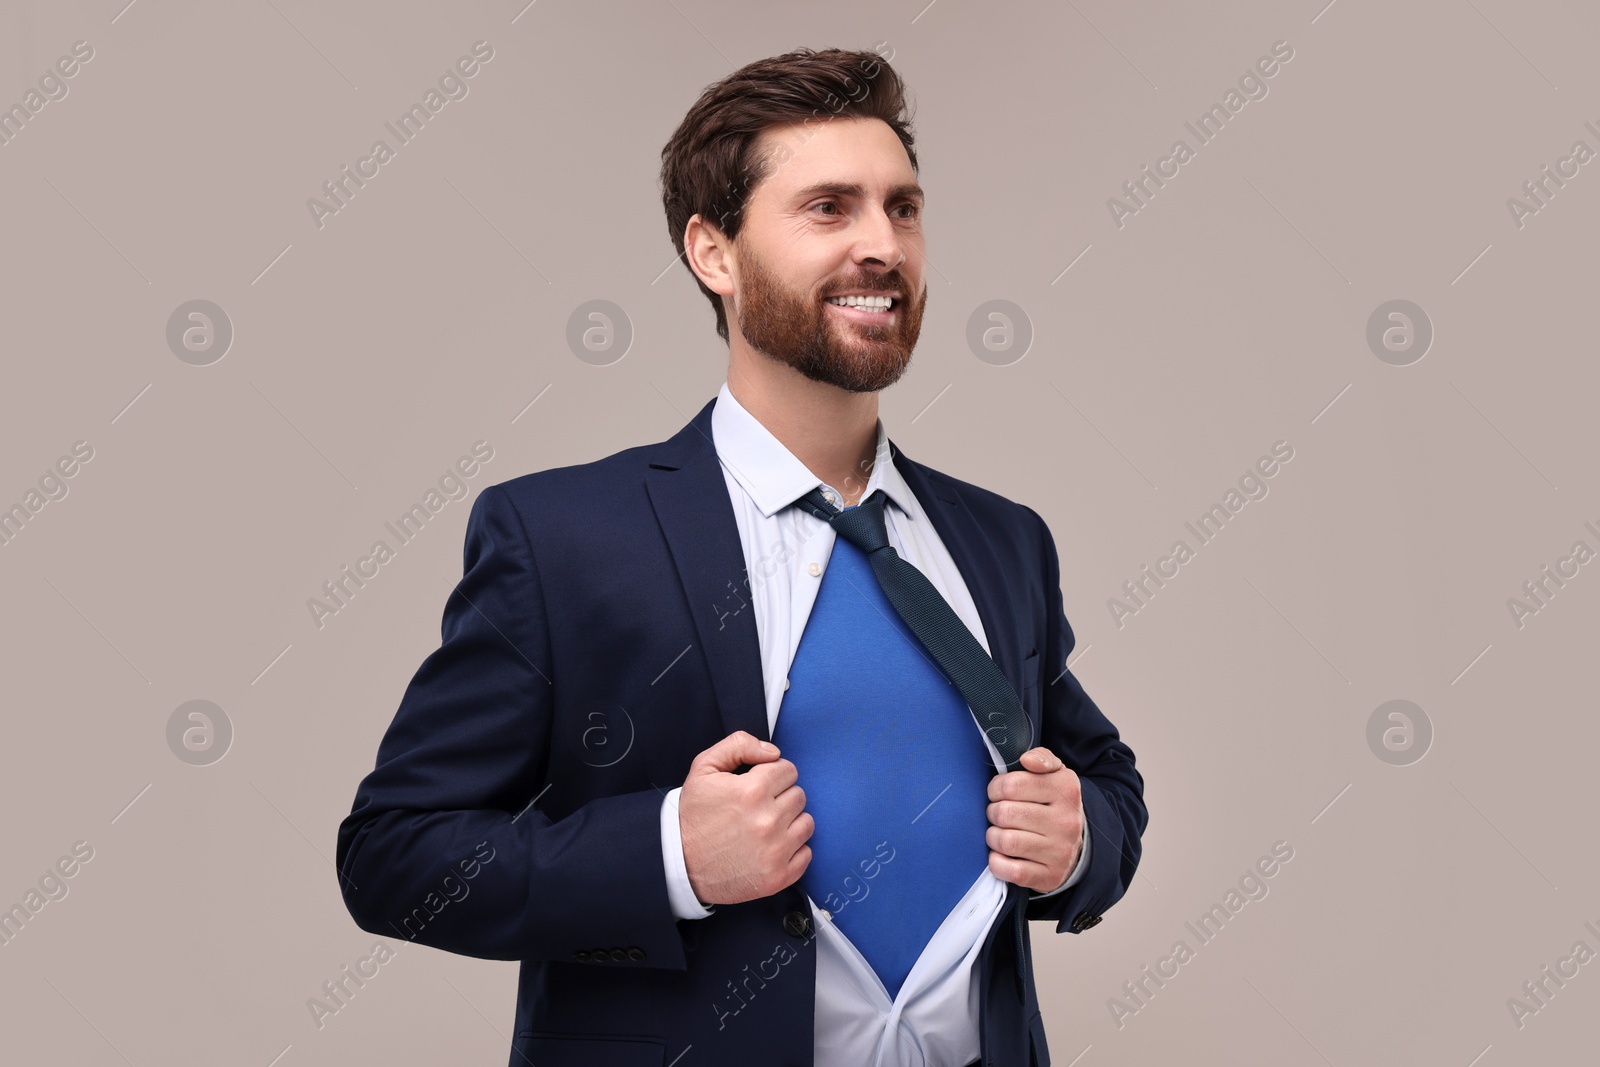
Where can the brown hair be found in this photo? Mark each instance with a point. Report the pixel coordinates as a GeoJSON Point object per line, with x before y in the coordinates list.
{"type": "Point", "coordinates": [708, 166]}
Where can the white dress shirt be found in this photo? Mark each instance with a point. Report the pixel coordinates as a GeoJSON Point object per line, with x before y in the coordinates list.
{"type": "Point", "coordinates": [933, 1021]}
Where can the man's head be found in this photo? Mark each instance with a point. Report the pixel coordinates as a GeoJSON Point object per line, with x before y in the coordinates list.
{"type": "Point", "coordinates": [792, 183]}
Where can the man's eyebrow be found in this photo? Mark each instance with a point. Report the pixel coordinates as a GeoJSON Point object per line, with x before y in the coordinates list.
{"type": "Point", "coordinates": [903, 191]}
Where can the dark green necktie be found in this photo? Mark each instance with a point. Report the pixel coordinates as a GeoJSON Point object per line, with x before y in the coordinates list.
{"type": "Point", "coordinates": [930, 617]}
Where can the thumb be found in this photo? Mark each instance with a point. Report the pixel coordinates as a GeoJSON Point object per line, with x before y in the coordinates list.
{"type": "Point", "coordinates": [1040, 760]}
{"type": "Point", "coordinates": [739, 747]}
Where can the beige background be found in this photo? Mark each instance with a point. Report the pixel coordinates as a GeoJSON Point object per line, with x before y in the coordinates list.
{"type": "Point", "coordinates": [1228, 314]}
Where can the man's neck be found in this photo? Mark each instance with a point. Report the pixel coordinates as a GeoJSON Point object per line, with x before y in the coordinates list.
{"type": "Point", "coordinates": [832, 431]}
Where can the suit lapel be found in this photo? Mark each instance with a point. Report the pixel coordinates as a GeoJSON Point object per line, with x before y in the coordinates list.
{"type": "Point", "coordinates": [974, 555]}
{"type": "Point", "coordinates": [690, 496]}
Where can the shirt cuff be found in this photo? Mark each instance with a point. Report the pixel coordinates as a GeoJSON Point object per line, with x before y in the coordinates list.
{"type": "Point", "coordinates": [685, 905]}
{"type": "Point", "coordinates": [1077, 872]}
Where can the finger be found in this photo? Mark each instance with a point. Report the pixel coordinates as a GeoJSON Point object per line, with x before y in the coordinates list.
{"type": "Point", "coordinates": [1020, 872]}
{"type": "Point", "coordinates": [727, 754]}
{"type": "Point", "coordinates": [804, 827]}
{"type": "Point", "coordinates": [791, 802]}
{"type": "Point", "coordinates": [777, 776]}
{"type": "Point", "coordinates": [1022, 815]}
{"type": "Point", "coordinates": [1059, 786]}
{"type": "Point", "coordinates": [1019, 844]}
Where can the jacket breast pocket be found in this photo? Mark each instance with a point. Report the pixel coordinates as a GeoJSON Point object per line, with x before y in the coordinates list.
{"type": "Point", "coordinates": [1030, 669]}
{"type": "Point", "coordinates": [580, 1050]}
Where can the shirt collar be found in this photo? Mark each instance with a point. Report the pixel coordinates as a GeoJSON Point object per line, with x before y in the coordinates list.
{"type": "Point", "coordinates": [772, 475]}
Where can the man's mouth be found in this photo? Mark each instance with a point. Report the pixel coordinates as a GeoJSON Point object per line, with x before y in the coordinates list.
{"type": "Point", "coordinates": [865, 308]}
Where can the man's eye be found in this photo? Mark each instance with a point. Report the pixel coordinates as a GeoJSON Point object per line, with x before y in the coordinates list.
{"type": "Point", "coordinates": [911, 210]}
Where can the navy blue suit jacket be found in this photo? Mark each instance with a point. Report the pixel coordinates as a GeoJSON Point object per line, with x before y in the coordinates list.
{"type": "Point", "coordinates": [598, 640]}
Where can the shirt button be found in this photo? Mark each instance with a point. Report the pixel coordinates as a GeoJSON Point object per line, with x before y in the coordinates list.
{"type": "Point", "coordinates": [832, 499]}
{"type": "Point", "coordinates": [786, 685]}
{"type": "Point", "coordinates": [814, 569]}
{"type": "Point", "coordinates": [825, 913]}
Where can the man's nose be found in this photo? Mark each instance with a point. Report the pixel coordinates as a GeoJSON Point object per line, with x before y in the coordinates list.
{"type": "Point", "coordinates": [880, 242]}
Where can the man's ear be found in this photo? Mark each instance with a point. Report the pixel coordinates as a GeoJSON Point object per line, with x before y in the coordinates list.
{"type": "Point", "coordinates": [709, 254]}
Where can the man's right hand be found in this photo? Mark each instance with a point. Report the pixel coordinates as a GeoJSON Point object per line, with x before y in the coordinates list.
{"type": "Point", "coordinates": [744, 835]}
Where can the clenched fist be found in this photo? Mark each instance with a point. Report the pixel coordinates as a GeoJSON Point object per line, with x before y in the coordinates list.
{"type": "Point", "coordinates": [1035, 833]}
{"type": "Point", "coordinates": [744, 835]}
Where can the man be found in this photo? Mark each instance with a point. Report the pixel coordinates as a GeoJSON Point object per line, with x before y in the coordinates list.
{"type": "Point", "coordinates": [757, 745]}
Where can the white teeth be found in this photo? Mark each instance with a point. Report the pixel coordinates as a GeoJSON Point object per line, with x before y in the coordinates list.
{"type": "Point", "coordinates": [864, 303]}
{"type": "Point", "coordinates": [868, 303]}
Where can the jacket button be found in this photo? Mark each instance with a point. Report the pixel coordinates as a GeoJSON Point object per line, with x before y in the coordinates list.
{"type": "Point", "coordinates": [619, 954]}
{"type": "Point", "coordinates": [797, 924]}
{"type": "Point", "coordinates": [581, 957]}
{"type": "Point", "coordinates": [635, 953]}
{"type": "Point", "coordinates": [1084, 921]}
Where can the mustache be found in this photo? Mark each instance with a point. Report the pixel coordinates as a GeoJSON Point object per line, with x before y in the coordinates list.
{"type": "Point", "coordinates": [877, 285]}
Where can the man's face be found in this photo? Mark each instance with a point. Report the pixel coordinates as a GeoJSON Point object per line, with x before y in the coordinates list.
{"type": "Point", "coordinates": [842, 215]}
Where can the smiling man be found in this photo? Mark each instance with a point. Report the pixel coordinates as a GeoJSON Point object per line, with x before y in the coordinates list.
{"type": "Point", "coordinates": [794, 708]}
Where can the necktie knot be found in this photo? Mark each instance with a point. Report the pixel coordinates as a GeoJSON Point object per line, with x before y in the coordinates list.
{"type": "Point", "coordinates": [862, 525]}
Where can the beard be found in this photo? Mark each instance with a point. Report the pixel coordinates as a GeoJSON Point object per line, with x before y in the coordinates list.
{"type": "Point", "coordinates": [794, 328]}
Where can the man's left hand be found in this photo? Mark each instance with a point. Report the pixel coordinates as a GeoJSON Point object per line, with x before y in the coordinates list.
{"type": "Point", "coordinates": [1035, 822]}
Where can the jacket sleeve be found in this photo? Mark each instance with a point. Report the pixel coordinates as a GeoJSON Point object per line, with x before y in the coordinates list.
{"type": "Point", "coordinates": [445, 845]}
{"type": "Point", "coordinates": [1113, 790]}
